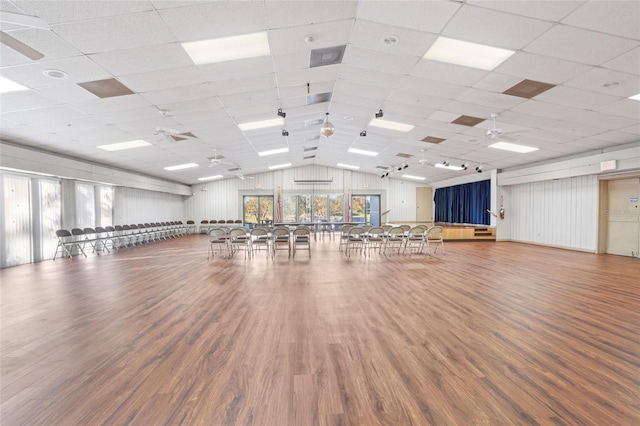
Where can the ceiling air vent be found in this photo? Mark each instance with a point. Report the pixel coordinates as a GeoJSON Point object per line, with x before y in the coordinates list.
{"type": "Point", "coordinates": [326, 56]}
{"type": "Point", "coordinates": [467, 120]}
{"type": "Point", "coordinates": [403, 155]}
{"type": "Point", "coordinates": [318, 98]}
{"type": "Point", "coordinates": [235, 169]}
{"type": "Point", "coordinates": [433, 139]}
{"type": "Point", "coordinates": [310, 148]}
{"type": "Point", "coordinates": [308, 157]}
{"type": "Point", "coordinates": [315, 122]}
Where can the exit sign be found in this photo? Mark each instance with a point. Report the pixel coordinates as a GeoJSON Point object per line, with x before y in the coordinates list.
{"type": "Point", "coordinates": [608, 165]}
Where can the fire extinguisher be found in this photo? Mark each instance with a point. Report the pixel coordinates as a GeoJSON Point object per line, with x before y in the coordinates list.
{"type": "Point", "coordinates": [501, 213]}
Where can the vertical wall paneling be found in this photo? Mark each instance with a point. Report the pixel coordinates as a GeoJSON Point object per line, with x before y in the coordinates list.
{"type": "Point", "coordinates": [559, 212]}
{"type": "Point", "coordinates": [140, 206]}
{"type": "Point", "coordinates": [49, 215]}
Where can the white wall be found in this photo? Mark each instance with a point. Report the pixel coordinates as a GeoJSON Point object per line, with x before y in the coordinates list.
{"type": "Point", "coordinates": [139, 206]}
{"type": "Point", "coordinates": [222, 199]}
{"type": "Point", "coordinates": [562, 213]}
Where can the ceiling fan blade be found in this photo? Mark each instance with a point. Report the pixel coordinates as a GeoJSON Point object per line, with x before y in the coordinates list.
{"type": "Point", "coordinates": [20, 47]}
{"type": "Point", "coordinates": [23, 20]}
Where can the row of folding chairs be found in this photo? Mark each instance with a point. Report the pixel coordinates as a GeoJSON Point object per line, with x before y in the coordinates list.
{"type": "Point", "coordinates": [225, 242]}
{"type": "Point", "coordinates": [207, 225]}
{"type": "Point", "coordinates": [403, 239]}
{"type": "Point", "coordinates": [99, 239]}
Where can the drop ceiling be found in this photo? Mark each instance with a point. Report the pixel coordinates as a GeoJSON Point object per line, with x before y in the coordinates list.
{"type": "Point", "coordinates": [586, 55]}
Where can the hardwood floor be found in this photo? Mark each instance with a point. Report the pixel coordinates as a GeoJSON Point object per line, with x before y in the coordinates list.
{"type": "Point", "coordinates": [490, 333]}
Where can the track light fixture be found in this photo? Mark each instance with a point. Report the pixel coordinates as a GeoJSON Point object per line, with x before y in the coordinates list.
{"type": "Point", "coordinates": [281, 114]}
{"type": "Point", "coordinates": [479, 169]}
{"type": "Point", "coordinates": [405, 166]}
{"type": "Point", "coordinates": [445, 163]}
{"type": "Point", "coordinates": [363, 133]}
{"type": "Point", "coordinates": [464, 166]}
{"type": "Point", "coordinates": [285, 132]}
{"type": "Point", "coordinates": [379, 114]}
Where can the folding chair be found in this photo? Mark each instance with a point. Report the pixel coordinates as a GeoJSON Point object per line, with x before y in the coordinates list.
{"type": "Point", "coordinates": [280, 240]}
{"type": "Point", "coordinates": [395, 239]}
{"type": "Point", "coordinates": [414, 240]}
{"type": "Point", "coordinates": [260, 241]}
{"type": "Point", "coordinates": [238, 239]}
{"type": "Point", "coordinates": [218, 242]}
{"type": "Point", "coordinates": [375, 239]}
{"type": "Point", "coordinates": [434, 237]}
{"type": "Point", "coordinates": [355, 239]}
{"type": "Point", "coordinates": [301, 240]}
{"type": "Point", "coordinates": [66, 244]}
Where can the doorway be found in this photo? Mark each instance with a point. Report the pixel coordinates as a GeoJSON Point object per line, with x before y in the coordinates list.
{"type": "Point", "coordinates": [623, 217]}
{"type": "Point", "coordinates": [365, 209]}
{"type": "Point", "coordinates": [424, 204]}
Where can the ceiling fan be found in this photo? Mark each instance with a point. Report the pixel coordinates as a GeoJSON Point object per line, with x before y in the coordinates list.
{"type": "Point", "coordinates": [22, 21]}
{"type": "Point", "coordinates": [496, 134]}
{"type": "Point", "coordinates": [173, 135]}
{"type": "Point", "coordinates": [216, 160]}
{"type": "Point", "coordinates": [423, 161]}
{"type": "Point", "coordinates": [243, 177]}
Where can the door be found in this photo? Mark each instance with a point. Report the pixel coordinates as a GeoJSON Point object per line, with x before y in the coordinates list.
{"type": "Point", "coordinates": [424, 204]}
{"type": "Point", "coordinates": [623, 217]}
{"type": "Point", "coordinates": [365, 209]}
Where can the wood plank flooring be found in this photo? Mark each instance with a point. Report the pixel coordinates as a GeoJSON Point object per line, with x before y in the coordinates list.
{"type": "Point", "coordinates": [490, 333]}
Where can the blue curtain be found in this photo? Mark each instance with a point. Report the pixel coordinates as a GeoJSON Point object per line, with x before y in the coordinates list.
{"type": "Point", "coordinates": [466, 203]}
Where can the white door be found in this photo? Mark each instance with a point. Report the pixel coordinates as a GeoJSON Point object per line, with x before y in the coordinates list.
{"type": "Point", "coordinates": [424, 204]}
{"type": "Point", "coordinates": [623, 217]}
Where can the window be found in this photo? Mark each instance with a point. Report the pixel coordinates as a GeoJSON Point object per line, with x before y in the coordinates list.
{"type": "Point", "coordinates": [50, 217]}
{"type": "Point", "coordinates": [106, 206]}
{"type": "Point", "coordinates": [17, 220]}
{"type": "Point", "coordinates": [258, 209]}
{"type": "Point", "coordinates": [85, 206]}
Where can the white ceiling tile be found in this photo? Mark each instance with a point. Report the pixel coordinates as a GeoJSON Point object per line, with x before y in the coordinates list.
{"type": "Point", "coordinates": [45, 42]}
{"type": "Point", "coordinates": [290, 14]}
{"type": "Point", "coordinates": [590, 143]}
{"type": "Point", "coordinates": [466, 108]}
{"type": "Point", "coordinates": [128, 115]}
{"type": "Point", "coordinates": [251, 84]}
{"type": "Point", "coordinates": [371, 35]}
{"type": "Point", "coordinates": [379, 61]}
{"type": "Point", "coordinates": [494, 28]}
{"type": "Point", "coordinates": [179, 94]}
{"type": "Point", "coordinates": [627, 62]}
{"type": "Point", "coordinates": [362, 75]}
{"type": "Point", "coordinates": [490, 99]}
{"type": "Point", "coordinates": [309, 75]}
{"type": "Point", "coordinates": [242, 68]}
{"type": "Point", "coordinates": [26, 99]}
{"type": "Point", "coordinates": [98, 106]}
{"type": "Point", "coordinates": [624, 108]}
{"type": "Point", "coordinates": [449, 73]}
{"type": "Point", "coordinates": [290, 62]}
{"type": "Point", "coordinates": [194, 106]}
{"type": "Point", "coordinates": [495, 82]}
{"type": "Point", "coordinates": [600, 80]}
{"type": "Point", "coordinates": [80, 69]}
{"type": "Point", "coordinates": [250, 97]}
{"type": "Point", "coordinates": [67, 93]}
{"type": "Point", "coordinates": [541, 68]}
{"type": "Point", "coordinates": [576, 129]}
{"type": "Point", "coordinates": [143, 59]}
{"type": "Point", "coordinates": [431, 87]}
{"type": "Point", "coordinates": [544, 109]}
{"type": "Point", "coordinates": [613, 122]}
{"type": "Point", "coordinates": [300, 91]}
{"type": "Point", "coordinates": [167, 4]}
{"type": "Point", "coordinates": [547, 10]}
{"type": "Point", "coordinates": [569, 96]}
{"type": "Point", "coordinates": [634, 130]}
{"type": "Point", "coordinates": [622, 17]}
{"type": "Point", "coordinates": [616, 137]}
{"type": "Point", "coordinates": [77, 10]}
{"type": "Point", "coordinates": [109, 34]}
{"type": "Point", "coordinates": [163, 79]}
{"type": "Point", "coordinates": [285, 41]}
{"type": "Point", "coordinates": [421, 16]}
{"type": "Point", "coordinates": [418, 100]}
{"type": "Point", "coordinates": [575, 44]}
{"type": "Point", "coordinates": [43, 115]}
{"type": "Point", "coordinates": [215, 19]}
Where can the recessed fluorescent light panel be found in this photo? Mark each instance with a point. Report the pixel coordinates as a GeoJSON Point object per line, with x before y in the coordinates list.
{"type": "Point", "coordinates": [7, 85]}
{"type": "Point", "coordinates": [253, 125]}
{"type": "Point", "coordinates": [391, 125]}
{"type": "Point", "coordinates": [635, 97]}
{"type": "Point", "coordinates": [522, 149]}
{"type": "Point", "coordinates": [124, 145]}
{"type": "Point", "coordinates": [273, 151]}
{"type": "Point", "coordinates": [362, 152]}
{"type": "Point", "coordinates": [449, 167]}
{"type": "Point", "coordinates": [348, 166]}
{"type": "Point", "coordinates": [181, 166]}
{"type": "Point", "coordinates": [413, 177]}
{"type": "Point", "coordinates": [228, 48]}
{"type": "Point", "coordinates": [280, 166]}
{"type": "Point", "coordinates": [210, 177]}
{"type": "Point", "coordinates": [467, 54]}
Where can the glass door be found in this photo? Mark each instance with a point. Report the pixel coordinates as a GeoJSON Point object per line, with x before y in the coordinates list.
{"type": "Point", "coordinates": [365, 209]}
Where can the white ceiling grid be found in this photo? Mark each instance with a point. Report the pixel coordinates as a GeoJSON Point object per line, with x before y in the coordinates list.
{"type": "Point", "coordinates": [590, 51]}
